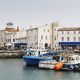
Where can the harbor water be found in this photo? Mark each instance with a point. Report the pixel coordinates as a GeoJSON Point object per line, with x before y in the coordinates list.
{"type": "Point", "coordinates": [16, 69]}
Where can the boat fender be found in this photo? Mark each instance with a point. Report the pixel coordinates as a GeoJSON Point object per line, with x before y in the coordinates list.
{"type": "Point", "coordinates": [58, 66]}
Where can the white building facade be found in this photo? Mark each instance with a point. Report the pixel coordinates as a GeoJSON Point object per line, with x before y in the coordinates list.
{"type": "Point", "coordinates": [69, 37]}
{"type": "Point", "coordinates": [44, 36]}
{"type": "Point", "coordinates": [21, 39]}
{"type": "Point", "coordinates": [47, 35]}
{"type": "Point", "coordinates": [2, 39]}
{"type": "Point", "coordinates": [10, 35]}
{"type": "Point", "coordinates": [10, 38]}
{"type": "Point", "coordinates": [55, 27]}
{"type": "Point", "coordinates": [21, 36]}
{"type": "Point", "coordinates": [32, 38]}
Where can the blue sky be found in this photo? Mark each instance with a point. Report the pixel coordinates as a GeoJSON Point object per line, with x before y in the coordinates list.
{"type": "Point", "coordinates": [25, 13]}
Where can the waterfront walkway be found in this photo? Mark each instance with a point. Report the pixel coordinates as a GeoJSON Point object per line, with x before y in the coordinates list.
{"type": "Point", "coordinates": [11, 53]}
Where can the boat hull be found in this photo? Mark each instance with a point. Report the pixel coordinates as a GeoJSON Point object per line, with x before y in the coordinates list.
{"type": "Point", "coordinates": [71, 67]}
{"type": "Point", "coordinates": [49, 64]}
{"type": "Point", "coordinates": [33, 60]}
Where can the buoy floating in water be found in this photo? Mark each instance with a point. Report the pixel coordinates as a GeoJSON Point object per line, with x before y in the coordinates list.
{"type": "Point", "coordinates": [58, 66]}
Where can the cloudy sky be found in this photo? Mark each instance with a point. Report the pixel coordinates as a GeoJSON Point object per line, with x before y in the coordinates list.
{"type": "Point", "coordinates": [25, 13]}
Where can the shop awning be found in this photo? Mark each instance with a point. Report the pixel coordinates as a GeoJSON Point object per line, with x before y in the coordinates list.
{"type": "Point", "coordinates": [69, 43]}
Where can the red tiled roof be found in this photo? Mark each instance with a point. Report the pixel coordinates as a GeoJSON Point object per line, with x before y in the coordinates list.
{"type": "Point", "coordinates": [10, 30]}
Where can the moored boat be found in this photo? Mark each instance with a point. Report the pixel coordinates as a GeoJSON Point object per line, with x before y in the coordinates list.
{"type": "Point", "coordinates": [33, 57]}
{"type": "Point", "coordinates": [72, 63]}
{"type": "Point", "coordinates": [50, 64]}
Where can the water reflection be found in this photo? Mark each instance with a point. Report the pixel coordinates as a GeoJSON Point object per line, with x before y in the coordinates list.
{"type": "Point", "coordinates": [58, 74]}
{"type": "Point", "coordinates": [16, 69]}
{"type": "Point", "coordinates": [40, 74]}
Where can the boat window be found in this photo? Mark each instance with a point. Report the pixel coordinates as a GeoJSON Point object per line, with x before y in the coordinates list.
{"type": "Point", "coordinates": [38, 53]}
{"type": "Point", "coordinates": [30, 53]}
{"type": "Point", "coordinates": [54, 57]}
{"type": "Point", "coordinates": [57, 58]}
{"type": "Point", "coordinates": [62, 58]}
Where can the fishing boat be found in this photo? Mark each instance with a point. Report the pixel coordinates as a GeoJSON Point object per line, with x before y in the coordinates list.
{"type": "Point", "coordinates": [33, 57]}
{"type": "Point", "coordinates": [72, 63]}
{"type": "Point", "coordinates": [50, 64]}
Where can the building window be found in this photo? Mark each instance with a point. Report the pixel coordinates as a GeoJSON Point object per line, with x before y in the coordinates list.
{"type": "Point", "coordinates": [13, 40]}
{"type": "Point", "coordinates": [46, 37]}
{"type": "Point", "coordinates": [1, 39]}
{"type": "Point", "coordinates": [48, 30]}
{"type": "Point", "coordinates": [67, 32]}
{"type": "Point", "coordinates": [74, 38]}
{"type": "Point", "coordinates": [10, 40]}
{"type": "Point", "coordinates": [62, 38]}
{"type": "Point", "coordinates": [78, 32]}
{"type": "Point", "coordinates": [54, 38]}
{"type": "Point", "coordinates": [62, 32]}
{"type": "Point", "coordinates": [68, 38]}
{"type": "Point", "coordinates": [41, 37]}
{"type": "Point", "coordinates": [41, 43]}
{"type": "Point", "coordinates": [13, 35]}
{"type": "Point", "coordinates": [74, 32]}
{"type": "Point", "coordinates": [6, 40]}
{"type": "Point", "coordinates": [78, 38]}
